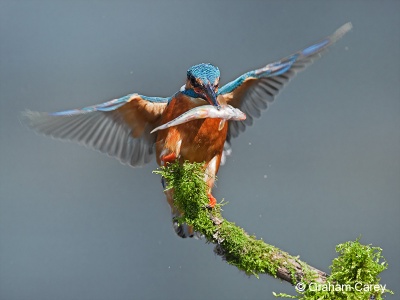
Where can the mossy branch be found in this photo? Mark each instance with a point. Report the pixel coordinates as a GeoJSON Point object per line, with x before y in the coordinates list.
{"type": "Point", "coordinates": [356, 268]}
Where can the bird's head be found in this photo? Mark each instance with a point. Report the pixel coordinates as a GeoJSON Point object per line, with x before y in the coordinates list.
{"type": "Point", "coordinates": [204, 80]}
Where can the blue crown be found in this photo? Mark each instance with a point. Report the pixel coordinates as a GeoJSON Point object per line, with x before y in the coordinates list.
{"type": "Point", "coordinates": [206, 72]}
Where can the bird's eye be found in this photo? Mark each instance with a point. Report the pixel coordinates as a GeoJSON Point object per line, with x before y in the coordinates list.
{"type": "Point", "coordinates": [193, 82]}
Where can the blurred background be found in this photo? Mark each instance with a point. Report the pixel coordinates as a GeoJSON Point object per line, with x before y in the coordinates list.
{"type": "Point", "coordinates": [321, 167]}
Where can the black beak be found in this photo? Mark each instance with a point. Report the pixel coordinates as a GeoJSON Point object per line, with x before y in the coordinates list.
{"type": "Point", "coordinates": [211, 96]}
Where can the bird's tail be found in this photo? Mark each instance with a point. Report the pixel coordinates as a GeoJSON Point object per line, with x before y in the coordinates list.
{"type": "Point", "coordinates": [183, 230]}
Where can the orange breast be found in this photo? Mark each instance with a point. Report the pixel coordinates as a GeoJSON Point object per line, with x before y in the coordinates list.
{"type": "Point", "coordinates": [195, 141]}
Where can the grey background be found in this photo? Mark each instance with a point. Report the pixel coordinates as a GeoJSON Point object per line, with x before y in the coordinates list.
{"type": "Point", "coordinates": [321, 167]}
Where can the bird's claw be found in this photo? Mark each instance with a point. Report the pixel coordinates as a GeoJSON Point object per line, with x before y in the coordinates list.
{"type": "Point", "coordinates": [168, 158]}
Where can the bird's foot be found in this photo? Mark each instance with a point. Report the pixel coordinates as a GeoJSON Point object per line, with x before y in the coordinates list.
{"type": "Point", "coordinates": [212, 201]}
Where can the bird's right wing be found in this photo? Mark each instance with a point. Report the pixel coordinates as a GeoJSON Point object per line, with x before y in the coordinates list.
{"type": "Point", "coordinates": [120, 127]}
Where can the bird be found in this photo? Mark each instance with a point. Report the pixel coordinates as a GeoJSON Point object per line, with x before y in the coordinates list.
{"type": "Point", "coordinates": [122, 127]}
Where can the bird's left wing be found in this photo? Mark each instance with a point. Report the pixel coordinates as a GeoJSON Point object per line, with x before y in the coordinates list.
{"type": "Point", "coordinates": [254, 90]}
{"type": "Point", "coordinates": [120, 127]}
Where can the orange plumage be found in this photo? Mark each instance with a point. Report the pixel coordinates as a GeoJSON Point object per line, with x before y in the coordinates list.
{"type": "Point", "coordinates": [122, 127]}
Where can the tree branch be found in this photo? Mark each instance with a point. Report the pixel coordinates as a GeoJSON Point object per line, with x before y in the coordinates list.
{"type": "Point", "coordinates": [356, 264]}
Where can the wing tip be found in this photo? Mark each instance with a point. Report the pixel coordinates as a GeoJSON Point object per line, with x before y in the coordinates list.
{"type": "Point", "coordinates": [341, 31]}
{"type": "Point", "coordinates": [28, 117]}
{"type": "Point", "coordinates": [323, 44]}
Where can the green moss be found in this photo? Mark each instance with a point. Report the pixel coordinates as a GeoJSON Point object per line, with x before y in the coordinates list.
{"type": "Point", "coordinates": [355, 273]}
{"type": "Point", "coordinates": [233, 243]}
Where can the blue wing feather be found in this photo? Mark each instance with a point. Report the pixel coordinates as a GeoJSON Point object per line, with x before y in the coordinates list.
{"type": "Point", "coordinates": [109, 105]}
{"type": "Point", "coordinates": [231, 86]}
{"type": "Point", "coordinates": [120, 127]}
{"type": "Point", "coordinates": [254, 90]}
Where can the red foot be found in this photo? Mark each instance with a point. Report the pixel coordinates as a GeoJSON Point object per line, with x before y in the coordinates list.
{"type": "Point", "coordinates": [168, 158]}
{"type": "Point", "coordinates": [212, 200]}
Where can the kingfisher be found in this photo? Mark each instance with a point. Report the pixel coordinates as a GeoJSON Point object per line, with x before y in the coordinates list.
{"type": "Point", "coordinates": [122, 127]}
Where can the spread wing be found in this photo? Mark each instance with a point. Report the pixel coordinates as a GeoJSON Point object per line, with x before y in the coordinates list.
{"type": "Point", "coordinates": [120, 127]}
{"type": "Point", "coordinates": [255, 90]}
